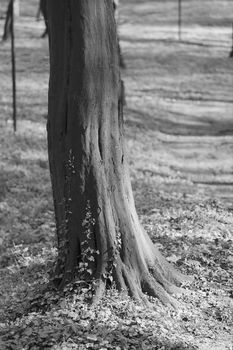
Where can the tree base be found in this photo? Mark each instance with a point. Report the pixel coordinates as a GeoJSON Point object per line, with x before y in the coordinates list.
{"type": "Point", "coordinates": [161, 281]}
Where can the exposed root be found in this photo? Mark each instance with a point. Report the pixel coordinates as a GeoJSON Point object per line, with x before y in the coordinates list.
{"type": "Point", "coordinates": [151, 287]}
{"type": "Point", "coordinates": [118, 278]}
{"type": "Point", "coordinates": [142, 278]}
{"type": "Point", "coordinates": [169, 271]}
{"type": "Point", "coordinates": [134, 287]}
{"type": "Point", "coordinates": [131, 284]}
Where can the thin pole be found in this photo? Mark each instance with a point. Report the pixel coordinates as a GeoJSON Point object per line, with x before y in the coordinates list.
{"type": "Point", "coordinates": [179, 18]}
{"type": "Point", "coordinates": [13, 67]}
{"type": "Point", "coordinates": [231, 53]}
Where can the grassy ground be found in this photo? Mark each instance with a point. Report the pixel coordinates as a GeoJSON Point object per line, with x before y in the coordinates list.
{"type": "Point", "coordinates": [179, 132]}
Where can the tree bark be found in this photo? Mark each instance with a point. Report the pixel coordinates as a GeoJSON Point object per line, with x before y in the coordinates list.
{"type": "Point", "coordinates": [99, 235]}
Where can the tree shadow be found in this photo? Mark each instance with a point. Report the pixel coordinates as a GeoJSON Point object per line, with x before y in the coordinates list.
{"type": "Point", "coordinates": [210, 43]}
{"type": "Point", "coordinates": [177, 123]}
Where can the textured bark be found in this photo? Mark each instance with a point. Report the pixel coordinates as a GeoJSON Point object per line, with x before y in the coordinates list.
{"type": "Point", "coordinates": [99, 234]}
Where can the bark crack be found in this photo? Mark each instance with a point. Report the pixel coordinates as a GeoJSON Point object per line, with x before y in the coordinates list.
{"type": "Point", "coordinates": [100, 143]}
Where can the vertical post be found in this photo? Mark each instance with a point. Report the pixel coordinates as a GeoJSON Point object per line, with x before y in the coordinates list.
{"type": "Point", "coordinates": [13, 66]}
{"type": "Point", "coordinates": [179, 18]}
{"type": "Point", "coordinates": [231, 53]}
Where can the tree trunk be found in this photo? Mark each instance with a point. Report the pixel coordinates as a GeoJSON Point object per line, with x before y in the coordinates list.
{"type": "Point", "coordinates": [98, 230]}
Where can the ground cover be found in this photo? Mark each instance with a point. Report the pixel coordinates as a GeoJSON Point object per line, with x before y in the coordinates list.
{"type": "Point", "coordinates": [179, 133]}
